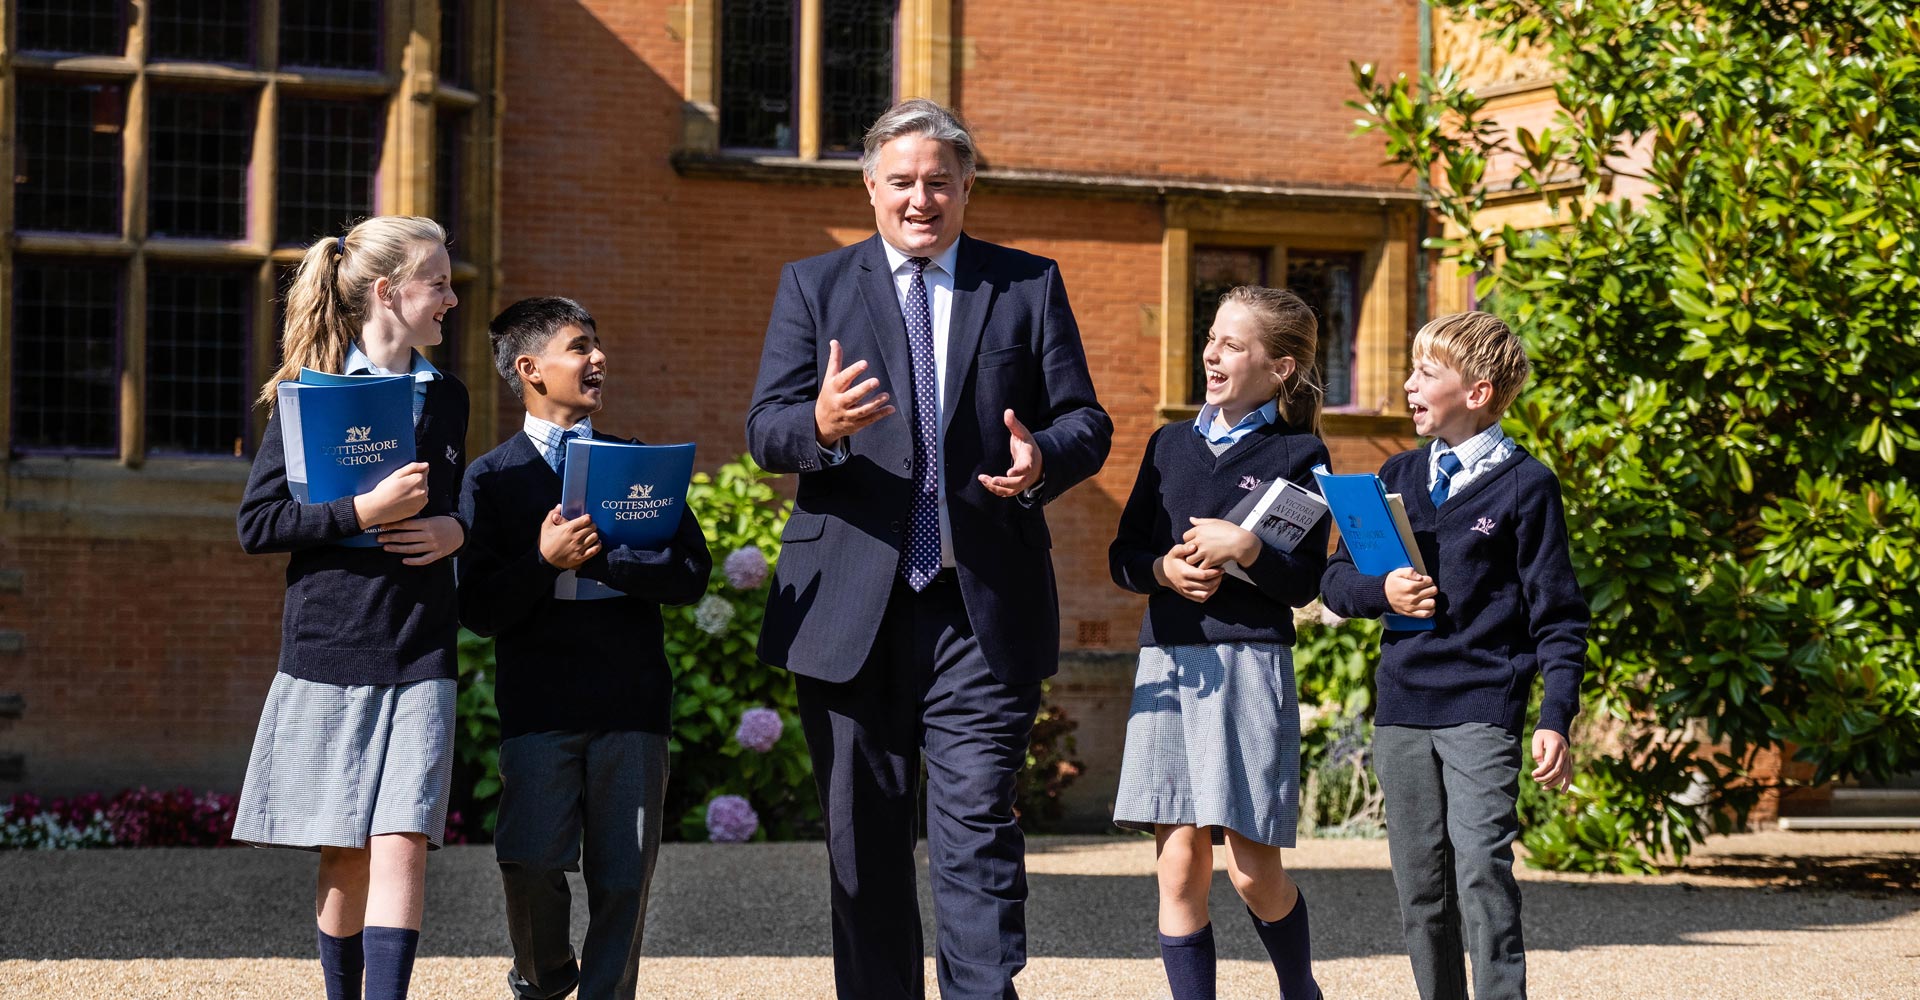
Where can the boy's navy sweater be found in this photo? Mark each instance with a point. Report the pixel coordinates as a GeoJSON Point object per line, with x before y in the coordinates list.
{"type": "Point", "coordinates": [568, 665]}
{"type": "Point", "coordinates": [1180, 477]}
{"type": "Point", "coordinates": [361, 615]}
{"type": "Point", "coordinates": [1509, 605]}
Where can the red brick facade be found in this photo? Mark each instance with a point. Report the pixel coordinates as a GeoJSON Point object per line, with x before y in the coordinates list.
{"type": "Point", "coordinates": [146, 653]}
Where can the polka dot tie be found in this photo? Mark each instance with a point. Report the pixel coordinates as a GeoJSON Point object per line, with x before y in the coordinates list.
{"type": "Point", "coordinates": [923, 514]}
{"type": "Point", "coordinates": [1449, 467]}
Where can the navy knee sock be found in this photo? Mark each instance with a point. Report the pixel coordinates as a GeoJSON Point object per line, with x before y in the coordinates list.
{"type": "Point", "coordinates": [1190, 964]}
{"type": "Point", "coordinates": [1291, 950]}
{"type": "Point", "coordinates": [341, 964]}
{"type": "Point", "coordinates": [389, 961]}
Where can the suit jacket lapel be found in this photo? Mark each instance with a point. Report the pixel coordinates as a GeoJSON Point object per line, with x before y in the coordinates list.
{"type": "Point", "coordinates": [889, 327]}
{"type": "Point", "coordinates": [972, 300]}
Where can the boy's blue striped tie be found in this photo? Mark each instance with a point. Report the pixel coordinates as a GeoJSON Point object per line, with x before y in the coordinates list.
{"type": "Point", "coordinates": [560, 454]}
{"type": "Point", "coordinates": [1449, 465]}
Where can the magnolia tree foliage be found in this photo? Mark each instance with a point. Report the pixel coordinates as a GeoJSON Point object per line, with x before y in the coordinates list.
{"type": "Point", "coordinates": [1727, 372]}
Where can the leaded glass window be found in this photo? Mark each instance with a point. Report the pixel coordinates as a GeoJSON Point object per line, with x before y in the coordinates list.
{"type": "Point", "coordinates": [201, 144]}
{"type": "Point", "coordinates": [758, 42]}
{"type": "Point", "coordinates": [856, 66]}
{"type": "Point", "coordinates": [67, 162]}
{"type": "Point", "coordinates": [449, 160]}
{"type": "Point", "coordinates": [66, 355]}
{"type": "Point", "coordinates": [1215, 270]}
{"type": "Point", "coordinates": [73, 27]}
{"type": "Point", "coordinates": [328, 152]}
{"type": "Point", "coordinates": [197, 331]}
{"type": "Point", "coordinates": [1329, 283]}
{"type": "Point", "coordinates": [330, 34]}
{"type": "Point", "coordinates": [215, 31]}
{"type": "Point", "coordinates": [456, 51]}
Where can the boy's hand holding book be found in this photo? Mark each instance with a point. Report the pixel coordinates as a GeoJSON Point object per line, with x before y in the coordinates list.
{"type": "Point", "coordinates": [565, 544]}
{"type": "Point", "coordinates": [1411, 594]}
{"type": "Point", "coordinates": [395, 498]}
{"type": "Point", "coordinates": [1179, 572]}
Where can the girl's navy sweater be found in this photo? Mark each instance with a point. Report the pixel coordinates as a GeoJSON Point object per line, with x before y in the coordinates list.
{"type": "Point", "coordinates": [1509, 605]}
{"type": "Point", "coordinates": [360, 615]}
{"type": "Point", "coordinates": [569, 666]}
{"type": "Point", "coordinates": [1180, 477]}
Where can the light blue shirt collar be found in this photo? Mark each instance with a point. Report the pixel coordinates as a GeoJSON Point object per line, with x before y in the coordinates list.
{"type": "Point", "coordinates": [545, 434]}
{"type": "Point", "coordinates": [422, 370]}
{"type": "Point", "coordinates": [1268, 414]}
{"type": "Point", "coordinates": [945, 262]}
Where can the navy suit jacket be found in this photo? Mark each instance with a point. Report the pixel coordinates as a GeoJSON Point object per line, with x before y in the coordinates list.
{"type": "Point", "coordinates": [1012, 344]}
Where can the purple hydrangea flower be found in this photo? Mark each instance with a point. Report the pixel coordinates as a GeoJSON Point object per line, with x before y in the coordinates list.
{"type": "Point", "coordinates": [746, 568]}
{"type": "Point", "coordinates": [730, 820]}
{"type": "Point", "coordinates": [760, 729]}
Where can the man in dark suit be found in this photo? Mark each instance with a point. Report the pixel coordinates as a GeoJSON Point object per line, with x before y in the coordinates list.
{"type": "Point", "coordinates": [931, 392]}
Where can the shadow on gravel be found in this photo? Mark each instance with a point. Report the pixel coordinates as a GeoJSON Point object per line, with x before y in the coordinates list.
{"type": "Point", "coordinates": [770, 900]}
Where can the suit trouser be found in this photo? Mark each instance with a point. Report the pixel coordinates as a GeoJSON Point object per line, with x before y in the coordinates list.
{"type": "Point", "coordinates": [563, 793]}
{"type": "Point", "coordinates": [925, 689]}
{"type": "Point", "coordinates": [1451, 825]}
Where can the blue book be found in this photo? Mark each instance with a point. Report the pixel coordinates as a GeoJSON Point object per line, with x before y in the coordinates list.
{"type": "Point", "coordinates": [341, 439]}
{"type": "Point", "coordinates": [1374, 525]}
{"type": "Point", "coordinates": [636, 494]}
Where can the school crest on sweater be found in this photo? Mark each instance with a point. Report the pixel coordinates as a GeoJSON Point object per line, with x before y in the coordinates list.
{"type": "Point", "coordinates": [1485, 526]}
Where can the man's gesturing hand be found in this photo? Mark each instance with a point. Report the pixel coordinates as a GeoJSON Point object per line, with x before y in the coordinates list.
{"type": "Point", "coordinates": [841, 408]}
{"type": "Point", "coordinates": [1027, 460]}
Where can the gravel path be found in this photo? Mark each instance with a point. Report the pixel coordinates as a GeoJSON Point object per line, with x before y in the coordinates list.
{"type": "Point", "coordinates": [1758, 915]}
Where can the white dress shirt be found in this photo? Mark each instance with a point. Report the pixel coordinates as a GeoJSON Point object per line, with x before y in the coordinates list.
{"type": "Point", "coordinates": [938, 277]}
{"type": "Point", "coordinates": [545, 435]}
{"type": "Point", "coordinates": [1477, 455]}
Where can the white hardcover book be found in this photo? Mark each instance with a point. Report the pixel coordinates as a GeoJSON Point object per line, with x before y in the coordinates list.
{"type": "Point", "coordinates": [1280, 515]}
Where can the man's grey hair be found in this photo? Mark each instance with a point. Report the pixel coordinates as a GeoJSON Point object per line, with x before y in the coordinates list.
{"type": "Point", "coordinates": [920, 116]}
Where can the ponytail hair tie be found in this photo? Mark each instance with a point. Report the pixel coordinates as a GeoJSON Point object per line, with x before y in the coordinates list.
{"type": "Point", "coordinates": [340, 246]}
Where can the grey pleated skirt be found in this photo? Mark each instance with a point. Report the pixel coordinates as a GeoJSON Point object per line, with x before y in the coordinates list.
{"type": "Point", "coordinates": [335, 764]}
{"type": "Point", "coordinates": [1213, 739]}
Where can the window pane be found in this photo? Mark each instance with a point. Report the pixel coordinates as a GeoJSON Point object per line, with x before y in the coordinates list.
{"type": "Point", "coordinates": [758, 39]}
{"type": "Point", "coordinates": [449, 164]}
{"type": "Point", "coordinates": [76, 27]}
{"type": "Point", "coordinates": [66, 355]}
{"type": "Point", "coordinates": [329, 151]}
{"type": "Point", "coordinates": [197, 335]}
{"type": "Point", "coordinates": [456, 63]}
{"type": "Point", "coordinates": [856, 72]}
{"type": "Point", "coordinates": [202, 144]}
{"type": "Point", "coordinates": [67, 170]}
{"type": "Point", "coordinates": [330, 34]}
{"type": "Point", "coordinates": [1215, 270]}
{"type": "Point", "coordinates": [446, 357]}
{"type": "Point", "coordinates": [218, 31]}
{"type": "Point", "coordinates": [1330, 284]}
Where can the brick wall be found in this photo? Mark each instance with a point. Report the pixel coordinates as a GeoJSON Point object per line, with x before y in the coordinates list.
{"type": "Point", "coordinates": [144, 662]}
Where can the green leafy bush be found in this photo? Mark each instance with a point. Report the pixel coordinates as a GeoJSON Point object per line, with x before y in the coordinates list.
{"type": "Point", "coordinates": [1728, 377]}
{"type": "Point", "coordinates": [1333, 660]}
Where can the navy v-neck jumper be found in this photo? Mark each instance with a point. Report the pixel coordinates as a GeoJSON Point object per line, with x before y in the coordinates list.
{"type": "Point", "coordinates": [1509, 605]}
{"type": "Point", "coordinates": [1180, 478]}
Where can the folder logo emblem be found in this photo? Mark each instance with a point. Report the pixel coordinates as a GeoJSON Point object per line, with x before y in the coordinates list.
{"type": "Point", "coordinates": [1485, 526]}
{"type": "Point", "coordinates": [358, 435]}
{"type": "Point", "coordinates": [641, 491]}
{"type": "Point", "coordinates": [1353, 522]}
{"type": "Point", "coordinates": [1249, 483]}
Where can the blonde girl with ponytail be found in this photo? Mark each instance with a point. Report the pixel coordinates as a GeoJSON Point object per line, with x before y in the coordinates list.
{"type": "Point", "coordinates": [1213, 737]}
{"type": "Point", "coordinates": [353, 757]}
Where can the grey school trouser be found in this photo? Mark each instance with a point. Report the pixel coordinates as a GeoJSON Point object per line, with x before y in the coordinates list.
{"type": "Point", "coordinates": [1450, 832]}
{"type": "Point", "coordinates": [565, 794]}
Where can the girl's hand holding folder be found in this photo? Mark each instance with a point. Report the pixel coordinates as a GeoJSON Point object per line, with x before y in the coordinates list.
{"type": "Point", "coordinates": [395, 498]}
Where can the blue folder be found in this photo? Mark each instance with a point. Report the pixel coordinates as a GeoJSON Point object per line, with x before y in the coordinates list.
{"type": "Point", "coordinates": [636, 494]}
{"type": "Point", "coordinates": [342, 438]}
{"type": "Point", "coordinates": [1366, 523]}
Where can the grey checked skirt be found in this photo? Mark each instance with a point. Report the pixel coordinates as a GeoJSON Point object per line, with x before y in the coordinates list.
{"type": "Point", "coordinates": [1213, 739]}
{"type": "Point", "coordinates": [335, 764]}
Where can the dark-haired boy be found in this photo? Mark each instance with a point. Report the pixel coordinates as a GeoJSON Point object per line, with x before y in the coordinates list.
{"type": "Point", "coordinates": [1453, 699]}
{"type": "Point", "coordinates": [584, 688]}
